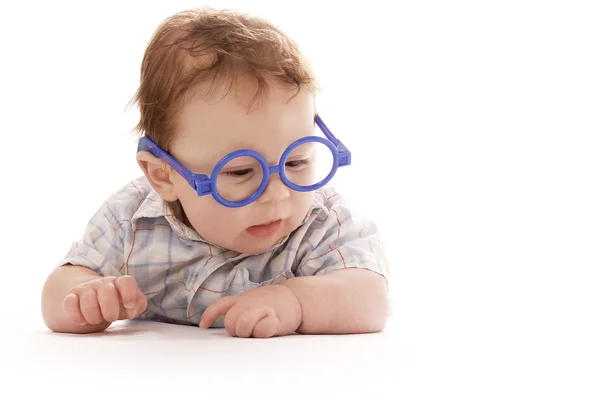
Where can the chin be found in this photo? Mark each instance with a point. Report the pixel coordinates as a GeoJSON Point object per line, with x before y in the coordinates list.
{"type": "Point", "coordinates": [256, 248]}
{"type": "Point", "coordinates": [252, 245]}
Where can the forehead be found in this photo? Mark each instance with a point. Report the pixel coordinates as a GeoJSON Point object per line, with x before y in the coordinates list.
{"type": "Point", "coordinates": [210, 127]}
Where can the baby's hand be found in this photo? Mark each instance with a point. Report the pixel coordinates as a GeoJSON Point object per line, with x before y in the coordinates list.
{"type": "Point", "coordinates": [262, 312]}
{"type": "Point", "coordinates": [105, 300]}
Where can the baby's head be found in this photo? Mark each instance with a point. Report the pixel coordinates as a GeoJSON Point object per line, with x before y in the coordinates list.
{"type": "Point", "coordinates": [213, 82]}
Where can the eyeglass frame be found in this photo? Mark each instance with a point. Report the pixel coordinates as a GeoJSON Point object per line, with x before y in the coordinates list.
{"type": "Point", "coordinates": [204, 185]}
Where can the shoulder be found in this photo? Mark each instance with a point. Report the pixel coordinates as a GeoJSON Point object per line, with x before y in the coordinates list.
{"type": "Point", "coordinates": [327, 203]}
{"type": "Point", "coordinates": [332, 214]}
{"type": "Point", "coordinates": [125, 202]}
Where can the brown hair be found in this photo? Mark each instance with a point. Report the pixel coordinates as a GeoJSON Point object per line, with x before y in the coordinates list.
{"type": "Point", "coordinates": [204, 44]}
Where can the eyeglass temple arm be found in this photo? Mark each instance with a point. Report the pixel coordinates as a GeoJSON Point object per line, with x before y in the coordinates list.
{"type": "Point", "coordinates": [326, 130]}
{"type": "Point", "coordinates": [344, 153]}
{"type": "Point", "coordinates": [147, 144]}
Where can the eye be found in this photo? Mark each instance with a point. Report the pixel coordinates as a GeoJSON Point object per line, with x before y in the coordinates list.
{"type": "Point", "coordinates": [296, 164]}
{"type": "Point", "coordinates": [239, 172]}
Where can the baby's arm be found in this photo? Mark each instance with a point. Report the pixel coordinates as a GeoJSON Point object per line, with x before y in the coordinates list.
{"type": "Point", "coordinates": [58, 284]}
{"type": "Point", "coordinates": [341, 278]}
{"type": "Point", "coordinates": [86, 291]}
{"type": "Point", "coordinates": [351, 300]}
{"type": "Point", "coordinates": [76, 299]}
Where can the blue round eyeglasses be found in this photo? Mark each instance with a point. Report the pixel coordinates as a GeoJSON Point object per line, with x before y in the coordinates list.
{"type": "Point", "coordinates": [204, 185]}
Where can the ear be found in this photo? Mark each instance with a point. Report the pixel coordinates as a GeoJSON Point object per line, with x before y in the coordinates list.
{"type": "Point", "coordinates": [160, 178]}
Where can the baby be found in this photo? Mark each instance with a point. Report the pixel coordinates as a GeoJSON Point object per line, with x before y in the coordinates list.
{"type": "Point", "coordinates": [233, 223]}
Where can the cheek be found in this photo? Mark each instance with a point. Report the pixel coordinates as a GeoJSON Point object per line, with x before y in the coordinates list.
{"type": "Point", "coordinates": [213, 224]}
{"type": "Point", "coordinates": [211, 220]}
{"type": "Point", "coordinates": [301, 203]}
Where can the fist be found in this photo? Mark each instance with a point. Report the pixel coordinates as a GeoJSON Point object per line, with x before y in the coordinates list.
{"type": "Point", "coordinates": [105, 300]}
{"type": "Point", "coordinates": [262, 312]}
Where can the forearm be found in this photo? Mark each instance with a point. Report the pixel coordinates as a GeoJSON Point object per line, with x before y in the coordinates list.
{"type": "Point", "coordinates": [58, 284]}
{"type": "Point", "coordinates": [352, 300]}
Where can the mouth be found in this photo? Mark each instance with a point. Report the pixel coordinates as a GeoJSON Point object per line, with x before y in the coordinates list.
{"type": "Point", "coordinates": [264, 230]}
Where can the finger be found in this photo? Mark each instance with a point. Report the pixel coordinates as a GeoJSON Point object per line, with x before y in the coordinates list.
{"type": "Point", "coordinates": [88, 304]}
{"type": "Point", "coordinates": [108, 299]}
{"type": "Point", "coordinates": [246, 322]}
{"type": "Point", "coordinates": [230, 320]}
{"type": "Point", "coordinates": [71, 308]}
{"type": "Point", "coordinates": [267, 327]}
{"type": "Point", "coordinates": [216, 309]}
{"type": "Point", "coordinates": [141, 303]}
{"type": "Point", "coordinates": [128, 288]}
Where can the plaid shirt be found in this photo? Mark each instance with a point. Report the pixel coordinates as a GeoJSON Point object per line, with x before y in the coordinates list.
{"type": "Point", "coordinates": [137, 233]}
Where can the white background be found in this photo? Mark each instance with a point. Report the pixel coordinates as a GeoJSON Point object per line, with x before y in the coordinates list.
{"type": "Point", "coordinates": [474, 127]}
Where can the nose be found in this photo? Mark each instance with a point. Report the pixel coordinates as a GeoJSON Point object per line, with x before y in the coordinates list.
{"type": "Point", "coordinates": [275, 191]}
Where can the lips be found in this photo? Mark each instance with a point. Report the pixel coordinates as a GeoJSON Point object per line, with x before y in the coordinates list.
{"type": "Point", "coordinates": [264, 230]}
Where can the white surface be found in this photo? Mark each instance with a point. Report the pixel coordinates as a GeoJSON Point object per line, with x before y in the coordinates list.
{"type": "Point", "coordinates": [475, 131]}
{"type": "Point", "coordinates": [150, 359]}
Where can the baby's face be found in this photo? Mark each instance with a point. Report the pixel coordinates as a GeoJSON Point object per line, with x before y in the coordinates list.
{"type": "Point", "coordinates": [210, 129]}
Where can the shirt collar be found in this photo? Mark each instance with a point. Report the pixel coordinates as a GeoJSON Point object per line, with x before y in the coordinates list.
{"type": "Point", "coordinates": [155, 207]}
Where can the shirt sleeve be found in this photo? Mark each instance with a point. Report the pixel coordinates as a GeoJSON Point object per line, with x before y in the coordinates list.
{"type": "Point", "coordinates": [338, 239]}
{"type": "Point", "coordinates": [101, 246]}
